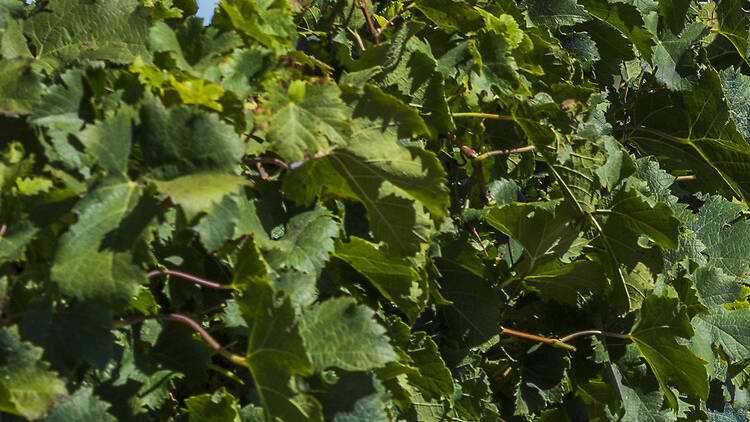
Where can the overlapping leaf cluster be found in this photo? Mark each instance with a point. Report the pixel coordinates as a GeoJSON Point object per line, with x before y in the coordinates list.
{"type": "Point", "coordinates": [417, 210]}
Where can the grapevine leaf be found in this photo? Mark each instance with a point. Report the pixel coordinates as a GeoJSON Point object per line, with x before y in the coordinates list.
{"type": "Point", "coordinates": [733, 25]}
{"type": "Point", "coordinates": [181, 141]}
{"type": "Point", "coordinates": [728, 415]}
{"type": "Point", "coordinates": [663, 319]}
{"type": "Point", "coordinates": [631, 211]}
{"type": "Point", "coordinates": [572, 284]}
{"type": "Point", "coordinates": [674, 13]}
{"type": "Point", "coordinates": [111, 234]}
{"type": "Point", "coordinates": [20, 87]}
{"type": "Point", "coordinates": [393, 276]}
{"type": "Point", "coordinates": [276, 351]}
{"type": "Point", "coordinates": [305, 119]}
{"type": "Point", "coordinates": [27, 387]}
{"type": "Point", "coordinates": [356, 396]}
{"type": "Point", "coordinates": [451, 16]}
{"type": "Point", "coordinates": [541, 228]}
{"type": "Point", "coordinates": [671, 61]}
{"type": "Point", "coordinates": [197, 193]}
{"type": "Point", "coordinates": [735, 86]}
{"type": "Point", "coordinates": [355, 342]}
{"type": "Point", "coordinates": [384, 177]}
{"type": "Point", "coordinates": [220, 406]}
{"type": "Point", "coordinates": [306, 244]}
{"type": "Point", "coordinates": [83, 405]}
{"type": "Point", "coordinates": [474, 314]}
{"type": "Point", "coordinates": [555, 14]}
{"type": "Point", "coordinates": [73, 30]}
{"type": "Point", "coordinates": [268, 23]}
{"type": "Point", "coordinates": [627, 20]}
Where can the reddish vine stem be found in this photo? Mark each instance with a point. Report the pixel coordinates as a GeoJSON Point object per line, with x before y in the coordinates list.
{"type": "Point", "coordinates": [280, 163]}
{"type": "Point", "coordinates": [212, 343]}
{"type": "Point", "coordinates": [190, 277]}
{"type": "Point", "coordinates": [375, 34]}
{"type": "Point", "coordinates": [684, 178]}
{"type": "Point", "coordinates": [3, 228]}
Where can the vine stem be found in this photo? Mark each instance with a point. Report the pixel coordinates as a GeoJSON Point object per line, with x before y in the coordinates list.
{"type": "Point", "coordinates": [658, 133]}
{"type": "Point", "coordinates": [550, 341]}
{"type": "Point", "coordinates": [190, 277]}
{"type": "Point", "coordinates": [375, 34]}
{"type": "Point", "coordinates": [571, 336]}
{"type": "Point", "coordinates": [485, 116]}
{"type": "Point", "coordinates": [684, 178]}
{"type": "Point", "coordinates": [3, 228]}
{"type": "Point", "coordinates": [280, 163]}
{"type": "Point", "coordinates": [489, 154]}
{"type": "Point", "coordinates": [212, 343]}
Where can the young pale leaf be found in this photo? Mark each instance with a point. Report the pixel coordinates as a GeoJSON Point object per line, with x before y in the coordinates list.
{"type": "Point", "coordinates": [27, 387]}
{"type": "Point", "coordinates": [339, 333]}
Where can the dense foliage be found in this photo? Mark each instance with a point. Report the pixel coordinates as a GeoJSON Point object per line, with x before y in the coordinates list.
{"type": "Point", "coordinates": [428, 210]}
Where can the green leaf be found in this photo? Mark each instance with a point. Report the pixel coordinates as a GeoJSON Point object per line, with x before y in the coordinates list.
{"type": "Point", "coordinates": [386, 179]}
{"type": "Point", "coordinates": [110, 141]}
{"type": "Point", "coordinates": [182, 140]}
{"type": "Point", "coordinates": [572, 284]}
{"type": "Point", "coordinates": [198, 193]}
{"type": "Point", "coordinates": [630, 210]}
{"type": "Point", "coordinates": [451, 15]}
{"type": "Point", "coordinates": [83, 405]}
{"type": "Point", "coordinates": [673, 64]}
{"type": "Point", "coordinates": [306, 243]}
{"type": "Point", "coordinates": [394, 277]}
{"type": "Point", "coordinates": [276, 352]}
{"type": "Point", "coordinates": [627, 20]}
{"type": "Point", "coordinates": [305, 118]}
{"type": "Point", "coordinates": [269, 22]}
{"type": "Point", "coordinates": [20, 87]}
{"type": "Point", "coordinates": [342, 334]}
{"type": "Point", "coordinates": [674, 13]}
{"type": "Point", "coordinates": [474, 315]}
{"type": "Point", "coordinates": [111, 234]}
{"type": "Point", "coordinates": [356, 397]}
{"type": "Point", "coordinates": [27, 387]}
{"type": "Point", "coordinates": [542, 228]}
{"type": "Point", "coordinates": [555, 14]}
{"type": "Point", "coordinates": [73, 30]}
{"type": "Point", "coordinates": [733, 25]}
{"type": "Point", "coordinates": [735, 86]}
{"type": "Point", "coordinates": [220, 406]}
{"type": "Point", "coordinates": [663, 319]}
